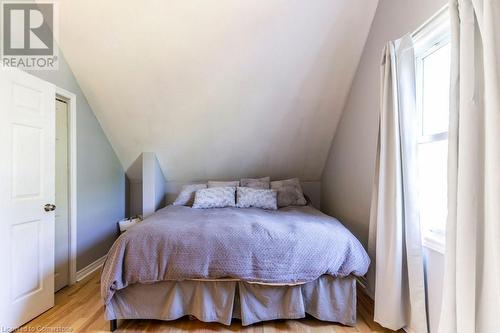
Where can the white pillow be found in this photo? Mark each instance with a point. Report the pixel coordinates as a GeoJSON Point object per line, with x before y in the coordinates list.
{"type": "Point", "coordinates": [186, 197]}
{"type": "Point", "coordinates": [259, 183]}
{"type": "Point", "coordinates": [289, 192]}
{"type": "Point", "coordinates": [259, 198]}
{"type": "Point", "coordinates": [215, 197]}
{"type": "Point", "coordinates": [234, 183]}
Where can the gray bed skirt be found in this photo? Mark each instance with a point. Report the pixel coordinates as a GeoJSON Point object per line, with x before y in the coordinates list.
{"type": "Point", "coordinates": [327, 298]}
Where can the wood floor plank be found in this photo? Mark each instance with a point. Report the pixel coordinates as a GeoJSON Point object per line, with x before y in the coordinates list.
{"type": "Point", "coordinates": [79, 309]}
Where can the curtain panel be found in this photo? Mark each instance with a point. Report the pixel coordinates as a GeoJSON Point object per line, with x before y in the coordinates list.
{"type": "Point", "coordinates": [394, 240]}
{"type": "Point", "coordinates": [471, 298]}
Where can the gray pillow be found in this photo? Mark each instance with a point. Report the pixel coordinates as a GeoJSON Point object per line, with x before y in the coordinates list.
{"type": "Point", "coordinates": [289, 192]}
{"type": "Point", "coordinates": [234, 183]}
{"type": "Point", "coordinates": [259, 183]}
{"type": "Point", "coordinates": [215, 197]}
{"type": "Point", "coordinates": [250, 197]}
{"type": "Point", "coordinates": [186, 197]}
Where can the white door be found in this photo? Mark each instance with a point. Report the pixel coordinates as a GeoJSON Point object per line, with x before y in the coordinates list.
{"type": "Point", "coordinates": [62, 212]}
{"type": "Point", "coordinates": [27, 184]}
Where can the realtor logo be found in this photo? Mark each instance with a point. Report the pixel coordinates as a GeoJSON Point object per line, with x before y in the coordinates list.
{"type": "Point", "coordinates": [28, 35]}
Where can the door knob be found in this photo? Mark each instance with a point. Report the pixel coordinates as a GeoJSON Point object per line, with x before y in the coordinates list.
{"type": "Point", "coordinates": [49, 207]}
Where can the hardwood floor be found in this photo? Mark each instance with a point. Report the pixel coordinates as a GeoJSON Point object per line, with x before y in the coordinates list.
{"type": "Point", "coordinates": [79, 309]}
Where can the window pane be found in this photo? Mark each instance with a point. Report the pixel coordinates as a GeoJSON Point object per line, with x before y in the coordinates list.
{"type": "Point", "coordinates": [432, 159]}
{"type": "Point", "coordinates": [436, 91]}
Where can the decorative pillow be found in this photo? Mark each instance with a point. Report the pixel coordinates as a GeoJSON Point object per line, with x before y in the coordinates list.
{"type": "Point", "coordinates": [289, 192]}
{"type": "Point", "coordinates": [250, 197]}
{"type": "Point", "coordinates": [234, 183]}
{"type": "Point", "coordinates": [186, 197]}
{"type": "Point", "coordinates": [215, 197]}
{"type": "Point", "coordinates": [260, 183]}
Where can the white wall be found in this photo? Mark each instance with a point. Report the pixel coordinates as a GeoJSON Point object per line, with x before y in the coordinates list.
{"type": "Point", "coordinates": [348, 174]}
{"type": "Point", "coordinates": [218, 88]}
{"type": "Point", "coordinates": [134, 198]}
{"type": "Point", "coordinates": [160, 187]}
{"type": "Point", "coordinates": [146, 186]}
{"type": "Point", "coordinates": [134, 188]}
{"type": "Point", "coordinates": [153, 185]}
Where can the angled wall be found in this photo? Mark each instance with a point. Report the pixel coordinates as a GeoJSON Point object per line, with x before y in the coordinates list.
{"type": "Point", "coordinates": [220, 89]}
{"type": "Point", "coordinates": [348, 175]}
{"type": "Point", "coordinates": [100, 176]}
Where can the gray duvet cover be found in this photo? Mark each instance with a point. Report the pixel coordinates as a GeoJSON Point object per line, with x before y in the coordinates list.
{"type": "Point", "coordinates": [287, 246]}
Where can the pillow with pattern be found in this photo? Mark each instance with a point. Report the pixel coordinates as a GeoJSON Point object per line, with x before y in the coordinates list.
{"type": "Point", "coordinates": [213, 183]}
{"type": "Point", "coordinates": [186, 197]}
{"type": "Point", "coordinates": [289, 192]}
{"type": "Point", "coordinates": [259, 183]}
{"type": "Point", "coordinates": [247, 197]}
{"type": "Point", "coordinates": [215, 197]}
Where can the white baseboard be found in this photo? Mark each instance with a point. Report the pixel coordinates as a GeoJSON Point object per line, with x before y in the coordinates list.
{"type": "Point", "coordinates": [86, 271]}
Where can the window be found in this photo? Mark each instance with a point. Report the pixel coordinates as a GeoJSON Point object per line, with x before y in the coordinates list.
{"type": "Point", "coordinates": [432, 51]}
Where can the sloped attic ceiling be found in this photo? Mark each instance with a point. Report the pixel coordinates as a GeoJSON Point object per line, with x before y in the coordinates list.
{"type": "Point", "coordinates": [219, 89]}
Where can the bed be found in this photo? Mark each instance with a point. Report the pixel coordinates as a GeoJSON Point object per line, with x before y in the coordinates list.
{"type": "Point", "coordinates": [225, 263]}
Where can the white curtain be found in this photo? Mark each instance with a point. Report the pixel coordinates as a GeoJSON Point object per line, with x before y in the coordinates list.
{"type": "Point", "coordinates": [394, 241]}
{"type": "Point", "coordinates": [471, 299]}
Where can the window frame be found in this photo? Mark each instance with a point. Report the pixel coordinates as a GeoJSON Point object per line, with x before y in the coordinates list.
{"type": "Point", "coordinates": [430, 37]}
{"type": "Point", "coordinates": [437, 43]}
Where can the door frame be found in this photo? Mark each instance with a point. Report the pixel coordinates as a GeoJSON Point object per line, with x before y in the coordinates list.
{"type": "Point", "coordinates": [70, 100]}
